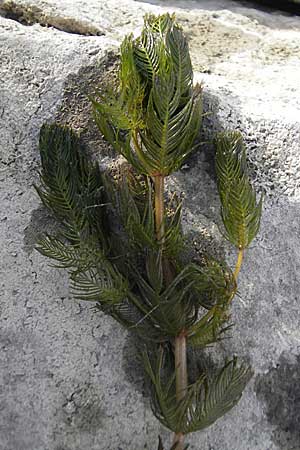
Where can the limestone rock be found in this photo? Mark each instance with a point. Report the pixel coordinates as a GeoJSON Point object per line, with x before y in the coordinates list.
{"type": "Point", "coordinates": [69, 379]}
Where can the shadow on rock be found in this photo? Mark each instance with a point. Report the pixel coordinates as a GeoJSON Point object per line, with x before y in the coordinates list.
{"type": "Point", "coordinates": [279, 389]}
{"type": "Point", "coordinates": [267, 6]}
{"type": "Point", "coordinates": [76, 107]}
{"type": "Point", "coordinates": [42, 221]}
{"type": "Point", "coordinates": [133, 366]}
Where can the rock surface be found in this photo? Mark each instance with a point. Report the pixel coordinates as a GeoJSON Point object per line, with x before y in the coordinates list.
{"type": "Point", "coordinates": [69, 379]}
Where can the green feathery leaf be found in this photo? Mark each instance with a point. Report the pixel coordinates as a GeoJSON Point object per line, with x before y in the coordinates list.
{"type": "Point", "coordinates": [102, 284]}
{"type": "Point", "coordinates": [205, 401]}
{"type": "Point", "coordinates": [155, 116]}
{"type": "Point", "coordinates": [149, 47]}
{"type": "Point", "coordinates": [214, 397]}
{"type": "Point", "coordinates": [210, 328]}
{"type": "Point", "coordinates": [171, 126]}
{"type": "Point", "coordinates": [213, 284]}
{"type": "Point", "coordinates": [240, 212]}
{"type": "Point", "coordinates": [71, 187]}
{"type": "Point", "coordinates": [68, 256]}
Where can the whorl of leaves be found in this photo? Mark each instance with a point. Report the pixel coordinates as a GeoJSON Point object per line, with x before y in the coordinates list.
{"type": "Point", "coordinates": [135, 200]}
{"type": "Point", "coordinates": [72, 188]}
{"type": "Point", "coordinates": [240, 212]}
{"type": "Point", "coordinates": [205, 401]}
{"type": "Point", "coordinates": [155, 116]}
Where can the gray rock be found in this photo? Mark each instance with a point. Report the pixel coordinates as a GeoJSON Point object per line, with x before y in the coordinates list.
{"type": "Point", "coordinates": [69, 376]}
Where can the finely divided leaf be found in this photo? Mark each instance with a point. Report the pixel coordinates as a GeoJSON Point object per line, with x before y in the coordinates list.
{"type": "Point", "coordinates": [206, 400]}
{"type": "Point", "coordinates": [240, 211]}
{"type": "Point", "coordinates": [216, 396]}
{"type": "Point", "coordinates": [70, 185]}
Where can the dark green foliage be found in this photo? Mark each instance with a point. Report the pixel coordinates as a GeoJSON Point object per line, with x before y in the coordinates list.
{"type": "Point", "coordinates": [213, 282]}
{"type": "Point", "coordinates": [118, 255]}
{"type": "Point", "coordinates": [210, 328]}
{"type": "Point", "coordinates": [206, 400]}
{"type": "Point", "coordinates": [129, 284]}
{"type": "Point", "coordinates": [136, 205]}
{"type": "Point", "coordinates": [240, 212]}
{"type": "Point", "coordinates": [73, 189]}
{"type": "Point", "coordinates": [70, 186]}
{"type": "Point", "coordinates": [66, 255]}
{"type": "Point", "coordinates": [155, 116]}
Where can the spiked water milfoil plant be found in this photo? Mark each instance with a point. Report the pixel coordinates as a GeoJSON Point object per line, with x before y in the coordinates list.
{"type": "Point", "coordinates": [121, 238]}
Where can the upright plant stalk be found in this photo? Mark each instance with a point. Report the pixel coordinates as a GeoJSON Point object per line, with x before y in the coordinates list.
{"type": "Point", "coordinates": [181, 378]}
{"type": "Point", "coordinates": [159, 184]}
{"type": "Point", "coordinates": [142, 279]}
{"type": "Point", "coordinates": [180, 341]}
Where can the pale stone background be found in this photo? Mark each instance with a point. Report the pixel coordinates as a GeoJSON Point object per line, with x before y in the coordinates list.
{"type": "Point", "coordinates": [69, 379]}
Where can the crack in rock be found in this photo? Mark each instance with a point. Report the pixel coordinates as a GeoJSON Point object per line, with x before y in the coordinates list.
{"type": "Point", "coordinates": [29, 15]}
{"type": "Point", "coordinates": [83, 410]}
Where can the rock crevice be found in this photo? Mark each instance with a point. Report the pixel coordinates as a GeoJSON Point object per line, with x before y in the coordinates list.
{"type": "Point", "coordinates": [31, 14]}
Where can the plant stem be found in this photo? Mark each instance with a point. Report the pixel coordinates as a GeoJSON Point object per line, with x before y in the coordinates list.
{"type": "Point", "coordinates": [181, 378]}
{"type": "Point", "coordinates": [238, 263]}
{"type": "Point", "coordinates": [179, 440]}
{"type": "Point", "coordinates": [180, 340]}
{"type": "Point", "coordinates": [180, 366]}
{"type": "Point", "coordinates": [159, 184]}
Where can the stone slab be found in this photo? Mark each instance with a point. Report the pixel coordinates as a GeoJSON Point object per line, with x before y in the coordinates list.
{"type": "Point", "coordinates": [69, 377]}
